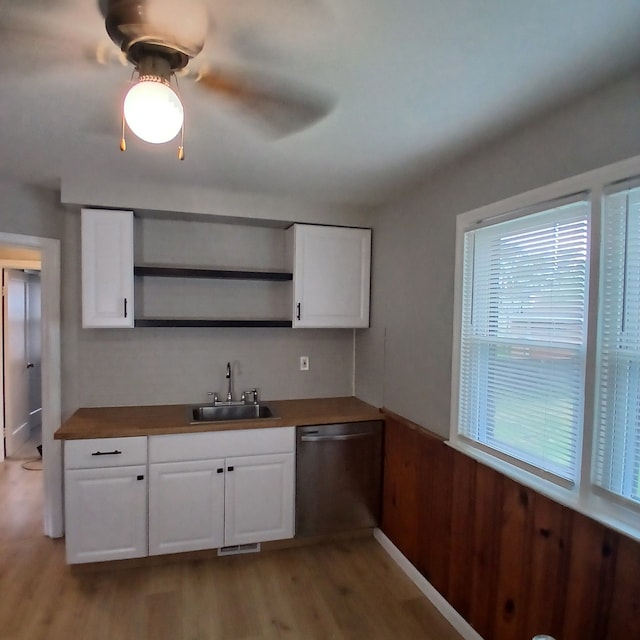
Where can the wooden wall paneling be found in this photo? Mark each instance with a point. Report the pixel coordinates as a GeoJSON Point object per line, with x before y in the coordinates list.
{"type": "Point", "coordinates": [484, 529]}
{"type": "Point", "coordinates": [511, 561]}
{"type": "Point", "coordinates": [590, 564]}
{"type": "Point", "coordinates": [399, 494]}
{"type": "Point", "coordinates": [462, 520]}
{"type": "Point", "coordinates": [435, 482]}
{"type": "Point", "coordinates": [548, 568]}
{"type": "Point", "coordinates": [624, 617]}
{"type": "Point", "coordinates": [514, 561]}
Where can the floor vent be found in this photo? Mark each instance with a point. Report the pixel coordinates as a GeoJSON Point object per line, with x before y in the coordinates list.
{"type": "Point", "coordinates": [239, 548]}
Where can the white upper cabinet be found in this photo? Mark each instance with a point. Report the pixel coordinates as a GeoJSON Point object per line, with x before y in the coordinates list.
{"type": "Point", "coordinates": [107, 268]}
{"type": "Point", "coordinates": [331, 281]}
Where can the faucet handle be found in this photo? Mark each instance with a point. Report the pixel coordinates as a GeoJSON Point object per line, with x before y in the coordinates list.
{"type": "Point", "coordinates": [214, 397]}
{"type": "Point", "coordinates": [247, 394]}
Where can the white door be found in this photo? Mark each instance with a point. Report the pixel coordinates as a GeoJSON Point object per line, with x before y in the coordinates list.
{"type": "Point", "coordinates": [106, 513]}
{"type": "Point", "coordinates": [186, 506]}
{"type": "Point", "coordinates": [34, 349]}
{"type": "Point", "coordinates": [331, 276]}
{"type": "Point", "coordinates": [16, 372]}
{"type": "Point", "coordinates": [259, 498]}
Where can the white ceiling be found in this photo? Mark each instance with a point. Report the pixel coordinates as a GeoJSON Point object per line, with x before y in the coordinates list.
{"type": "Point", "coordinates": [413, 81]}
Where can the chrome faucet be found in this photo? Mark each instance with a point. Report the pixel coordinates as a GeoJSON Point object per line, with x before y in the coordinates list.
{"type": "Point", "coordinates": [228, 377]}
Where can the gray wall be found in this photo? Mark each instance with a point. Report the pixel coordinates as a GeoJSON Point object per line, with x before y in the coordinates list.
{"type": "Point", "coordinates": [30, 211]}
{"type": "Point", "coordinates": [414, 243]}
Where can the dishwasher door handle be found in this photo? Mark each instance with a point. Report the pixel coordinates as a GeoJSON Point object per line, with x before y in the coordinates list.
{"type": "Point", "coordinates": [346, 436]}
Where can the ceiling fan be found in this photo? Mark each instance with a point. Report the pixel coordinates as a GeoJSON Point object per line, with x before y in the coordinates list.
{"type": "Point", "coordinates": [160, 38]}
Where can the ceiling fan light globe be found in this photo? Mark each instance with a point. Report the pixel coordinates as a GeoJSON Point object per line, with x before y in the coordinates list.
{"type": "Point", "coordinates": [153, 111]}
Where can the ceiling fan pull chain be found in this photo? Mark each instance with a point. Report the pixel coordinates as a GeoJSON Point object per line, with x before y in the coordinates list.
{"type": "Point", "coordinates": [123, 142]}
{"type": "Point", "coordinates": [181, 147]}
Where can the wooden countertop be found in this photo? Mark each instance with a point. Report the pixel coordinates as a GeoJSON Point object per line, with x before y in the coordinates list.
{"type": "Point", "coordinates": [109, 422]}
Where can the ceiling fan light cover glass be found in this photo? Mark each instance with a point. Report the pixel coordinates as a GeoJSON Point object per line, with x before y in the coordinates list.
{"type": "Point", "coordinates": [153, 110]}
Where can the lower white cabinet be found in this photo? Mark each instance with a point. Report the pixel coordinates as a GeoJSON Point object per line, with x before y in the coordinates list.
{"type": "Point", "coordinates": [198, 500]}
{"type": "Point", "coordinates": [204, 491]}
{"type": "Point", "coordinates": [105, 500]}
{"type": "Point", "coordinates": [259, 499]}
{"type": "Point", "coordinates": [186, 506]}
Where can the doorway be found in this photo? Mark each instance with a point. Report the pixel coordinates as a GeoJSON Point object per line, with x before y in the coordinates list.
{"type": "Point", "coordinates": [20, 375]}
{"type": "Point", "coordinates": [49, 250]}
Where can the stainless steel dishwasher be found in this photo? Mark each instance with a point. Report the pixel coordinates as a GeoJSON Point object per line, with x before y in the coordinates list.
{"type": "Point", "coordinates": [338, 477]}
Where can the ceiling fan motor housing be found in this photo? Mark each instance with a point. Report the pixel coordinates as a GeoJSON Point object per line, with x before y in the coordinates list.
{"type": "Point", "coordinates": [175, 31]}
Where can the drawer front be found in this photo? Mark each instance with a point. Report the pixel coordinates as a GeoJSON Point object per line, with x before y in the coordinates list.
{"type": "Point", "coordinates": [221, 444]}
{"type": "Point", "coordinates": [105, 452]}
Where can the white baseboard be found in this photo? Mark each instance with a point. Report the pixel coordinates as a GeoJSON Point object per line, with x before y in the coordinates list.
{"type": "Point", "coordinates": [447, 611]}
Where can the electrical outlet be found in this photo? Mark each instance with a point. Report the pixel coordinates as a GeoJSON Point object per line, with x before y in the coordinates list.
{"type": "Point", "coordinates": [304, 363]}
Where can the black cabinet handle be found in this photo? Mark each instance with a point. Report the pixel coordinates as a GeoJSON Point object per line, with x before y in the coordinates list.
{"type": "Point", "coordinates": [298, 311]}
{"type": "Point", "coordinates": [229, 468]}
{"type": "Point", "coordinates": [140, 478]}
{"type": "Point", "coordinates": [115, 452]}
{"type": "Point", "coordinates": [219, 470]}
{"type": "Point", "coordinates": [125, 307]}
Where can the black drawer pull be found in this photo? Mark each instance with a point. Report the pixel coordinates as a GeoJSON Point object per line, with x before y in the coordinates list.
{"type": "Point", "coordinates": [229, 468]}
{"type": "Point", "coordinates": [115, 452]}
{"type": "Point", "coordinates": [140, 478]}
{"type": "Point", "coordinates": [219, 470]}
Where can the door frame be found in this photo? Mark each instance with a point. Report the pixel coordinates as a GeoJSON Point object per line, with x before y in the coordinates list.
{"type": "Point", "coordinates": [51, 384]}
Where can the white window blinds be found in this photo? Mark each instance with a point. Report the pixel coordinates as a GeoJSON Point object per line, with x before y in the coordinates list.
{"type": "Point", "coordinates": [617, 442]}
{"type": "Point", "coordinates": [522, 352]}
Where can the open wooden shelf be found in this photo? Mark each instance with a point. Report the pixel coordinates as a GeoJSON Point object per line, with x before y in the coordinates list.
{"type": "Point", "coordinates": [158, 271]}
{"type": "Point", "coordinates": [198, 322]}
{"type": "Point", "coordinates": [163, 271]}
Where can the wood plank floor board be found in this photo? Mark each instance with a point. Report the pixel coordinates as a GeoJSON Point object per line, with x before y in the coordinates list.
{"type": "Point", "coordinates": [311, 615]}
{"type": "Point", "coordinates": [346, 590]}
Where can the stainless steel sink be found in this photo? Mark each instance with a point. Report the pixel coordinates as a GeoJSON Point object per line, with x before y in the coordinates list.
{"type": "Point", "coordinates": [223, 413]}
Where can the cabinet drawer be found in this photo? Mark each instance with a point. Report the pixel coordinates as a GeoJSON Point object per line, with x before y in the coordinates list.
{"type": "Point", "coordinates": [105, 452]}
{"type": "Point", "coordinates": [221, 444]}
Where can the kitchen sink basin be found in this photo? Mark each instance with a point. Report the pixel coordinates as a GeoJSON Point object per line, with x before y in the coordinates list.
{"type": "Point", "coordinates": [223, 413]}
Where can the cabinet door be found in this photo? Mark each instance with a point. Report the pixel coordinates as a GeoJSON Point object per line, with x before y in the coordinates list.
{"type": "Point", "coordinates": [186, 506]}
{"type": "Point", "coordinates": [106, 513]}
{"type": "Point", "coordinates": [107, 268]}
{"type": "Point", "coordinates": [332, 269]}
{"type": "Point", "coordinates": [259, 498]}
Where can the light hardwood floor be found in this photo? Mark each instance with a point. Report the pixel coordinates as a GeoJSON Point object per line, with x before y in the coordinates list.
{"type": "Point", "coordinates": [344, 590]}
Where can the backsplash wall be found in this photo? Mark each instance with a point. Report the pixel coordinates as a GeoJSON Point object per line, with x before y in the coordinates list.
{"type": "Point", "coordinates": [105, 367]}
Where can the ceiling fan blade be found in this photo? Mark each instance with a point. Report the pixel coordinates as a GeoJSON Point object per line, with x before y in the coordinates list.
{"type": "Point", "coordinates": [281, 107]}
{"type": "Point", "coordinates": [37, 40]}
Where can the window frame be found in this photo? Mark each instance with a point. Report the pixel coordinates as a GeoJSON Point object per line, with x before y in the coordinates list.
{"type": "Point", "coordinates": [582, 496]}
{"type": "Point", "coordinates": [476, 332]}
